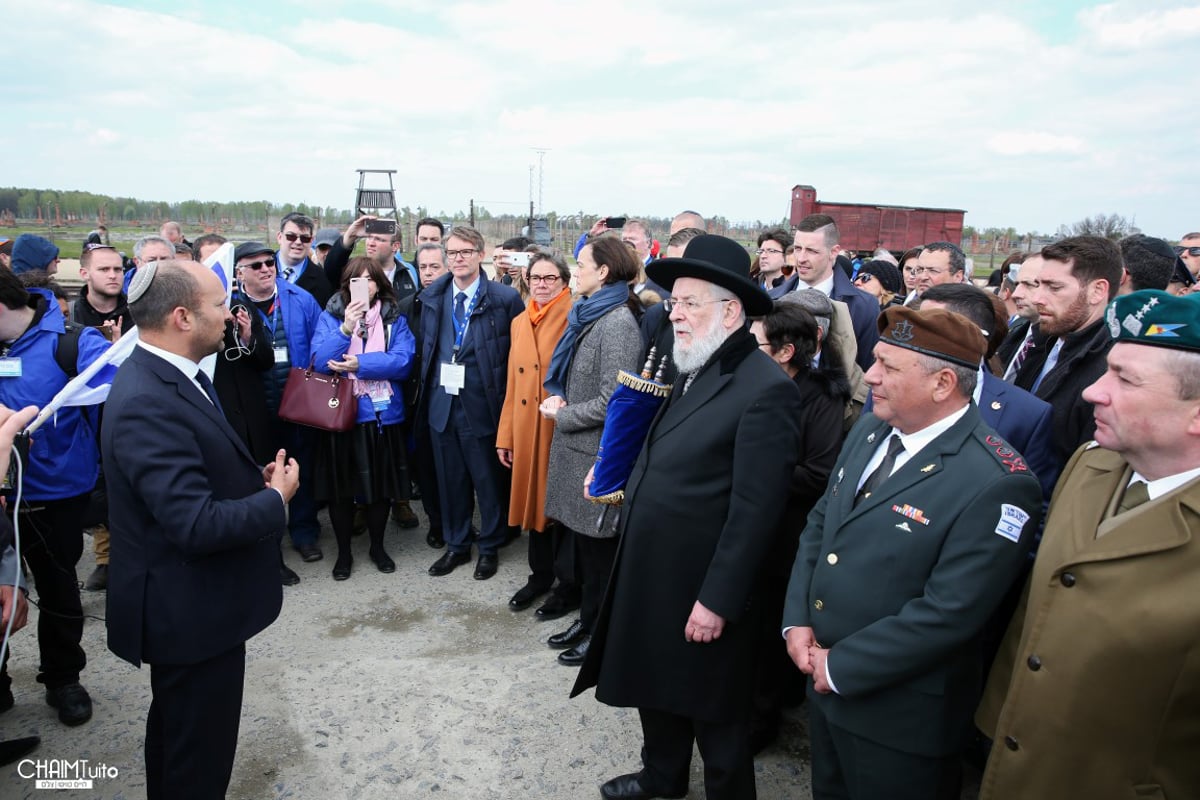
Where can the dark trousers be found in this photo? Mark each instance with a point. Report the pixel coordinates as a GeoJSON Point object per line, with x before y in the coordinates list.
{"type": "Point", "coordinates": [778, 682]}
{"type": "Point", "coordinates": [303, 525]}
{"type": "Point", "coordinates": [425, 474]}
{"type": "Point", "coordinates": [667, 756]}
{"type": "Point", "coordinates": [467, 467]}
{"type": "Point", "coordinates": [51, 544]}
{"type": "Point", "coordinates": [849, 767]}
{"type": "Point", "coordinates": [596, 558]}
{"type": "Point", "coordinates": [192, 728]}
{"type": "Point", "coordinates": [551, 557]}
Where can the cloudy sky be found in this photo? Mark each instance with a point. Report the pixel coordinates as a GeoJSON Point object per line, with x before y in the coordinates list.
{"type": "Point", "coordinates": [1027, 113]}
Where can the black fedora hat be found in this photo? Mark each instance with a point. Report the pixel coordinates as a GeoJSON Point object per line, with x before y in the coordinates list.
{"type": "Point", "coordinates": [715, 259]}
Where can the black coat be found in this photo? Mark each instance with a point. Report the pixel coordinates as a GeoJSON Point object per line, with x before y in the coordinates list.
{"type": "Point", "coordinates": [1081, 362]}
{"type": "Point", "coordinates": [701, 509]}
{"type": "Point", "coordinates": [239, 386]}
{"type": "Point", "coordinates": [313, 281]}
{"type": "Point", "coordinates": [338, 257]}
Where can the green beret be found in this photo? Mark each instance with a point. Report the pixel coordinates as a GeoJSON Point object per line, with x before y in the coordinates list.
{"type": "Point", "coordinates": [934, 332]}
{"type": "Point", "coordinates": [1156, 318]}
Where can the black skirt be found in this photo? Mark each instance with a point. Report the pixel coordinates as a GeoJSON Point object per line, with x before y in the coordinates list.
{"type": "Point", "coordinates": [367, 463]}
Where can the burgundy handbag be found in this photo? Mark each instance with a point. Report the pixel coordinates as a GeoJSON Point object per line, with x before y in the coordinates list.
{"type": "Point", "coordinates": [318, 401]}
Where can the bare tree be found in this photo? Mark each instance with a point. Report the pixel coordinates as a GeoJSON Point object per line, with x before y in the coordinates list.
{"type": "Point", "coordinates": [1110, 226]}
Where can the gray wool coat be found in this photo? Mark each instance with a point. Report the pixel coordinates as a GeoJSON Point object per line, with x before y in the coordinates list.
{"type": "Point", "coordinates": [610, 344]}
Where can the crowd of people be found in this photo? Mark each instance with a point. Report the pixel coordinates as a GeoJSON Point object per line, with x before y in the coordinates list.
{"type": "Point", "coordinates": [957, 520]}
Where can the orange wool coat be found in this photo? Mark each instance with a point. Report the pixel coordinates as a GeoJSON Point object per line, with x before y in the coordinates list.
{"type": "Point", "coordinates": [522, 429]}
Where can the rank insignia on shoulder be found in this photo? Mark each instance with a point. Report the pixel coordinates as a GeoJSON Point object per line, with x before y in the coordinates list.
{"type": "Point", "coordinates": [1007, 455]}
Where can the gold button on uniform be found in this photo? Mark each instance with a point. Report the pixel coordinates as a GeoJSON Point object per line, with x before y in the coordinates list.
{"type": "Point", "coordinates": [818, 605]}
{"type": "Point", "coordinates": [831, 558]}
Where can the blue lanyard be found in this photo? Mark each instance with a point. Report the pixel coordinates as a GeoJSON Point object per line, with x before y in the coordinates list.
{"type": "Point", "coordinates": [460, 331]}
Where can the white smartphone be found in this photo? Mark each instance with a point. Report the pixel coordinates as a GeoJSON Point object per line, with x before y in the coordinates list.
{"type": "Point", "coordinates": [360, 291]}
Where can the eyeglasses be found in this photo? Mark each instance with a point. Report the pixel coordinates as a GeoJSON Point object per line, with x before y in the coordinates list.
{"type": "Point", "coordinates": [257, 265]}
{"type": "Point", "coordinates": [1191, 251]}
{"type": "Point", "coordinates": [689, 305]}
{"type": "Point", "coordinates": [306, 238]}
{"type": "Point", "coordinates": [543, 278]}
{"type": "Point", "coordinates": [760, 251]}
{"type": "Point", "coordinates": [925, 271]}
{"type": "Point", "coordinates": [470, 251]}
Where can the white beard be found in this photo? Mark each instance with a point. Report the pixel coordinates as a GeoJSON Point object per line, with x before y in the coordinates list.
{"type": "Point", "coordinates": [696, 355]}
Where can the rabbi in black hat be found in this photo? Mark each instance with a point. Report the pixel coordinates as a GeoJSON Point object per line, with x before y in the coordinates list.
{"type": "Point", "coordinates": [675, 637]}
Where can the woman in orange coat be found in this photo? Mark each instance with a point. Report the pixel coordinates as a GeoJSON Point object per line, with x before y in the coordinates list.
{"type": "Point", "coordinates": [523, 438]}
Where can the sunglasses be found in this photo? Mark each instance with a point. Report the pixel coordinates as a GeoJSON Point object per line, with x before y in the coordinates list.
{"type": "Point", "coordinates": [257, 265]}
{"type": "Point", "coordinates": [306, 238]}
{"type": "Point", "coordinates": [1191, 251]}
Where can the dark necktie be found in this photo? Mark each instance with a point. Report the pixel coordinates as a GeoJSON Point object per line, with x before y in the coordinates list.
{"type": "Point", "coordinates": [460, 308]}
{"type": "Point", "coordinates": [287, 273]}
{"type": "Point", "coordinates": [895, 448]}
{"type": "Point", "coordinates": [1135, 494]}
{"type": "Point", "coordinates": [209, 390]}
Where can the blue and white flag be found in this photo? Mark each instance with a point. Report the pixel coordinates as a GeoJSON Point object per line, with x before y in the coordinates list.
{"type": "Point", "coordinates": [91, 386]}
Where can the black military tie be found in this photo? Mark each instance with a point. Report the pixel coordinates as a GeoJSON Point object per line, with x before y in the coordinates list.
{"type": "Point", "coordinates": [895, 448]}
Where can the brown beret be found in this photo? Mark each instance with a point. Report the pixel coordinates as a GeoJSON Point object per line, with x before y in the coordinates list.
{"type": "Point", "coordinates": [934, 332]}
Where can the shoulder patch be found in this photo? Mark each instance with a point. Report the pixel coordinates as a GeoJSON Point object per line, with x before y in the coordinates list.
{"type": "Point", "coordinates": [1005, 453]}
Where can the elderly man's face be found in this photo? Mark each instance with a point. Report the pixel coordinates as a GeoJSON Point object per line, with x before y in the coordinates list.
{"type": "Point", "coordinates": [155, 251]}
{"type": "Point", "coordinates": [430, 266]}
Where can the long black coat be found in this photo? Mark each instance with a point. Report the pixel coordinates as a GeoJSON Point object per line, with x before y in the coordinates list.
{"type": "Point", "coordinates": [702, 505]}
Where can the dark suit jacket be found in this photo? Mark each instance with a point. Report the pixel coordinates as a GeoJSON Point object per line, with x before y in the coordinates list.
{"type": "Point", "coordinates": [900, 587]}
{"type": "Point", "coordinates": [195, 536]}
{"type": "Point", "coordinates": [239, 386]}
{"type": "Point", "coordinates": [484, 350]}
{"type": "Point", "coordinates": [338, 257]}
{"type": "Point", "coordinates": [1012, 341]}
{"type": "Point", "coordinates": [700, 515]}
{"type": "Point", "coordinates": [313, 281]}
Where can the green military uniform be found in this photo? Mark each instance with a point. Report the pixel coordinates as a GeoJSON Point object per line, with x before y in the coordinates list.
{"type": "Point", "coordinates": [899, 587]}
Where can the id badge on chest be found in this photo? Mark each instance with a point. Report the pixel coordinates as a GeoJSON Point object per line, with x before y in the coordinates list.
{"type": "Point", "coordinates": [454, 377]}
{"type": "Point", "coordinates": [281, 355]}
{"type": "Point", "coordinates": [10, 367]}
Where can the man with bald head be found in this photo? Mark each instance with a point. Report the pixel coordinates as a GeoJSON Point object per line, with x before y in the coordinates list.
{"type": "Point", "coordinates": [195, 525]}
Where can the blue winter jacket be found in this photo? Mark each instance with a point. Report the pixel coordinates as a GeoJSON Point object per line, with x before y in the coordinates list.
{"type": "Point", "coordinates": [393, 365]}
{"type": "Point", "coordinates": [64, 455]}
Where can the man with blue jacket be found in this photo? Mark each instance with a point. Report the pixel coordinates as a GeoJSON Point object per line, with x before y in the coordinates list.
{"type": "Point", "coordinates": [465, 336]}
{"type": "Point", "coordinates": [61, 471]}
{"type": "Point", "coordinates": [289, 314]}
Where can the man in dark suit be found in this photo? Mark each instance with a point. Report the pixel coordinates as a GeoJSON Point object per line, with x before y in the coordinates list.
{"type": "Point", "coordinates": [195, 533]}
{"type": "Point", "coordinates": [465, 324]}
{"type": "Point", "coordinates": [676, 636]}
{"type": "Point", "coordinates": [817, 249]}
{"type": "Point", "coordinates": [934, 512]}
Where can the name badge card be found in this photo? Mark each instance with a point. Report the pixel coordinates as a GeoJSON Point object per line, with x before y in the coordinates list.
{"type": "Point", "coordinates": [10, 367]}
{"type": "Point", "coordinates": [454, 377]}
{"type": "Point", "coordinates": [281, 355]}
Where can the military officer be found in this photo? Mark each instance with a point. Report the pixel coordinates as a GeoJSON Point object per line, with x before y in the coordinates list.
{"type": "Point", "coordinates": [935, 513]}
{"type": "Point", "coordinates": [1096, 690]}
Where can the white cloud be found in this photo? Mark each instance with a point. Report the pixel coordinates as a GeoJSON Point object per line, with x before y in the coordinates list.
{"type": "Point", "coordinates": [1022, 143]}
{"type": "Point", "coordinates": [644, 108]}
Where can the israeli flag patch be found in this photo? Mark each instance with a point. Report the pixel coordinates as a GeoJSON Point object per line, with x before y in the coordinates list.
{"type": "Point", "coordinates": [1012, 522]}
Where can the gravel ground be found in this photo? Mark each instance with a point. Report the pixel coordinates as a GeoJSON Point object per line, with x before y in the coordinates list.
{"type": "Point", "coordinates": [384, 686]}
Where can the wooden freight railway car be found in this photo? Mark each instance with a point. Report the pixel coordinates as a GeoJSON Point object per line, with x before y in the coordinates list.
{"type": "Point", "coordinates": [865, 227]}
